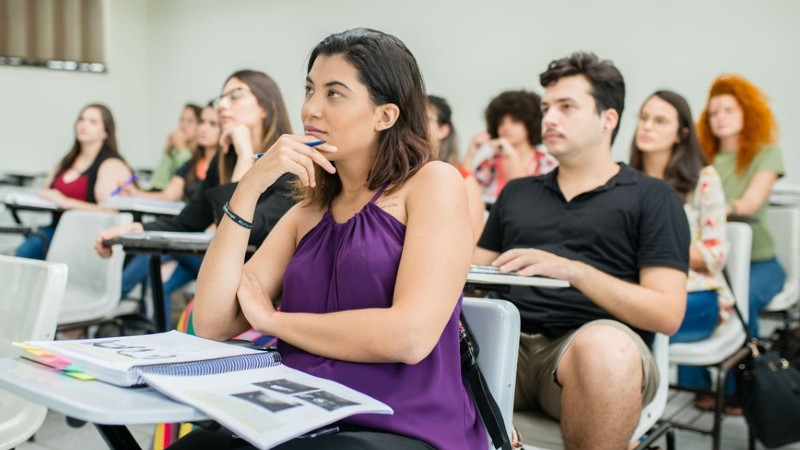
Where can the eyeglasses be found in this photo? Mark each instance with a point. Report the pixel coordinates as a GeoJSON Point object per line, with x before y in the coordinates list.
{"type": "Point", "coordinates": [233, 95]}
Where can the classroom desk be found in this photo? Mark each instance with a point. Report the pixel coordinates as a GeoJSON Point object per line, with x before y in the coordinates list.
{"type": "Point", "coordinates": [155, 244]}
{"type": "Point", "coordinates": [27, 200]}
{"type": "Point", "coordinates": [140, 207]}
{"type": "Point", "coordinates": [19, 179]}
{"type": "Point", "coordinates": [494, 282]}
{"type": "Point", "coordinates": [110, 408]}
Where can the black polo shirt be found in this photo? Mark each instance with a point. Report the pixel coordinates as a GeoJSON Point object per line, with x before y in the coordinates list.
{"type": "Point", "coordinates": [632, 222]}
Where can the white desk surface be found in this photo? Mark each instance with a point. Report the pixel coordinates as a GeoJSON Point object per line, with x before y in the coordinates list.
{"type": "Point", "coordinates": [144, 205]}
{"type": "Point", "coordinates": [92, 401]}
{"type": "Point", "coordinates": [513, 280]}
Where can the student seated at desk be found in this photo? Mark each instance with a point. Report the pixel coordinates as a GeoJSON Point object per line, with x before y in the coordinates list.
{"type": "Point", "coordinates": [513, 132]}
{"type": "Point", "coordinates": [183, 184]}
{"type": "Point", "coordinates": [87, 175]}
{"type": "Point", "coordinates": [253, 116]}
{"type": "Point", "coordinates": [368, 267]}
{"type": "Point", "coordinates": [738, 133]}
{"type": "Point", "coordinates": [620, 238]}
{"type": "Point", "coordinates": [666, 147]}
{"type": "Point", "coordinates": [179, 147]}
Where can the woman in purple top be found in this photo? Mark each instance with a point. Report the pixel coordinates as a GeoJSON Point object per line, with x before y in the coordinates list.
{"type": "Point", "coordinates": [369, 266]}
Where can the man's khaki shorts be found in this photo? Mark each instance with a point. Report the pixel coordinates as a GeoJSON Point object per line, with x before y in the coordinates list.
{"type": "Point", "coordinates": [539, 356]}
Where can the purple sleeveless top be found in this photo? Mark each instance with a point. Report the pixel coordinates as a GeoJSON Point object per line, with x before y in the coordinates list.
{"type": "Point", "coordinates": [354, 265]}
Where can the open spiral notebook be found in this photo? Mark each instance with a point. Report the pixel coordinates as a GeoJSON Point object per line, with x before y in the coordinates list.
{"type": "Point", "coordinates": [248, 391]}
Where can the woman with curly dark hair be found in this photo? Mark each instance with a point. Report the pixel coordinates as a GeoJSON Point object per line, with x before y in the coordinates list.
{"type": "Point", "coordinates": [738, 133]}
{"type": "Point", "coordinates": [514, 133]}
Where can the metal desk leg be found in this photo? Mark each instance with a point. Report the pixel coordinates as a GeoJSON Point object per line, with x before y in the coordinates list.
{"type": "Point", "coordinates": [118, 437]}
{"type": "Point", "coordinates": [158, 292]}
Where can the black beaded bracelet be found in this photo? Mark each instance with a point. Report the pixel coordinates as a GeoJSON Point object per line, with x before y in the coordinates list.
{"type": "Point", "coordinates": [235, 217]}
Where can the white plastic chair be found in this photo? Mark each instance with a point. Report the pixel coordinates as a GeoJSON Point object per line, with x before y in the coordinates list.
{"type": "Point", "coordinates": [94, 285]}
{"type": "Point", "coordinates": [495, 326]}
{"type": "Point", "coordinates": [784, 222]}
{"type": "Point", "coordinates": [29, 302]}
{"type": "Point", "coordinates": [539, 431]}
{"type": "Point", "coordinates": [724, 349]}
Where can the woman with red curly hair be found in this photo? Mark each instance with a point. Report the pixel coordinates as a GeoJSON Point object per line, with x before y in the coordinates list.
{"type": "Point", "coordinates": [738, 133]}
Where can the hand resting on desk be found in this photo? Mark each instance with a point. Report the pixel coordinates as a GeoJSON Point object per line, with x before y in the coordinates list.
{"type": "Point", "coordinates": [530, 262]}
{"type": "Point", "coordinates": [105, 251]}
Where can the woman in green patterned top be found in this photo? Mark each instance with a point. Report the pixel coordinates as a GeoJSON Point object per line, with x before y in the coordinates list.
{"type": "Point", "coordinates": [738, 133]}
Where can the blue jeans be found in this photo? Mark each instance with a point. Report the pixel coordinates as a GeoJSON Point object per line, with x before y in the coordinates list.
{"type": "Point", "coordinates": [138, 270]}
{"type": "Point", "coordinates": [702, 316]}
{"type": "Point", "coordinates": [33, 247]}
{"type": "Point", "coordinates": [766, 281]}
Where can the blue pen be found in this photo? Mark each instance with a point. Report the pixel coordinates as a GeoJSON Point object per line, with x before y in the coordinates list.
{"type": "Point", "coordinates": [310, 144]}
{"type": "Point", "coordinates": [118, 190]}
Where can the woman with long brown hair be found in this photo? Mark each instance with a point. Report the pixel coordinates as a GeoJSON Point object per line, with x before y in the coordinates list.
{"type": "Point", "coordinates": [87, 175]}
{"type": "Point", "coordinates": [253, 116]}
{"type": "Point", "coordinates": [369, 266]}
{"type": "Point", "coordinates": [666, 147]}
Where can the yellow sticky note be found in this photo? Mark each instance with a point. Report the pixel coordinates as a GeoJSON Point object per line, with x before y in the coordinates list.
{"type": "Point", "coordinates": [30, 349]}
{"type": "Point", "coordinates": [79, 376]}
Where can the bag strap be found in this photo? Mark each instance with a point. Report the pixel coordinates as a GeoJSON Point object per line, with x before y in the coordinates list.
{"type": "Point", "coordinates": [484, 400]}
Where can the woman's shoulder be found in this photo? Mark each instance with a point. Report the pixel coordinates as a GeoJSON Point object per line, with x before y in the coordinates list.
{"type": "Point", "coordinates": [434, 173]}
{"type": "Point", "coordinates": [114, 164]}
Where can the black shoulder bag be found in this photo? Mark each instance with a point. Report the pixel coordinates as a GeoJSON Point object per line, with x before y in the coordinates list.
{"type": "Point", "coordinates": [771, 388]}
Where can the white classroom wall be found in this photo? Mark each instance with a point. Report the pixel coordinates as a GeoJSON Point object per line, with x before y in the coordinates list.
{"type": "Point", "coordinates": [163, 53]}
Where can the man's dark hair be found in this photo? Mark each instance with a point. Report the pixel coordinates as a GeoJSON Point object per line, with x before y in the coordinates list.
{"type": "Point", "coordinates": [608, 87]}
{"type": "Point", "coordinates": [524, 106]}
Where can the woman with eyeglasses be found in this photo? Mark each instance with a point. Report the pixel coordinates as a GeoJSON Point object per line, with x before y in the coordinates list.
{"type": "Point", "coordinates": [87, 175]}
{"type": "Point", "coordinates": [253, 116]}
{"type": "Point", "coordinates": [666, 147]}
{"type": "Point", "coordinates": [368, 266]}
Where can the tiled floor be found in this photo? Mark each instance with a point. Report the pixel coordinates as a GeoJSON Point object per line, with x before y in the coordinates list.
{"type": "Point", "coordinates": [57, 435]}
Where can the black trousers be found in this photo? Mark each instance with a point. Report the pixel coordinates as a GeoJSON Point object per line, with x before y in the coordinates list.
{"type": "Point", "coordinates": [348, 438]}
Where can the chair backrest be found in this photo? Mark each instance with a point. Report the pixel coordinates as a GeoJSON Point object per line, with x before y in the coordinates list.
{"type": "Point", "coordinates": [784, 222]}
{"type": "Point", "coordinates": [495, 325]}
{"type": "Point", "coordinates": [94, 285]}
{"type": "Point", "coordinates": [29, 302]}
{"type": "Point", "coordinates": [738, 268]}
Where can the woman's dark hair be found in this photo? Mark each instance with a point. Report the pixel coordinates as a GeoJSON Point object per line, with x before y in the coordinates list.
{"type": "Point", "coordinates": [608, 86]}
{"type": "Point", "coordinates": [196, 109]}
{"type": "Point", "coordinates": [524, 106]}
{"type": "Point", "coordinates": [197, 153]}
{"type": "Point", "coordinates": [448, 149]}
{"type": "Point", "coordinates": [276, 119]}
{"type": "Point", "coordinates": [687, 159]}
{"type": "Point", "coordinates": [390, 72]}
{"type": "Point", "coordinates": [109, 143]}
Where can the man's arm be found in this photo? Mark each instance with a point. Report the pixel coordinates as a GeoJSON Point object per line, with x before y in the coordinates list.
{"type": "Point", "coordinates": [657, 303]}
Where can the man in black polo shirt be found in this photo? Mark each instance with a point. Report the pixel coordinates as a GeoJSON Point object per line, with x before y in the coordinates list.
{"type": "Point", "coordinates": [622, 241]}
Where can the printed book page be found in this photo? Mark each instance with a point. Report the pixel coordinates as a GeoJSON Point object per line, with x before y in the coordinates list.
{"type": "Point", "coordinates": [110, 359]}
{"type": "Point", "coordinates": [268, 406]}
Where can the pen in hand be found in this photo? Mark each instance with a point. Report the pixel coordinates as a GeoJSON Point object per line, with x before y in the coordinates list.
{"type": "Point", "coordinates": [119, 188]}
{"type": "Point", "coordinates": [310, 144]}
